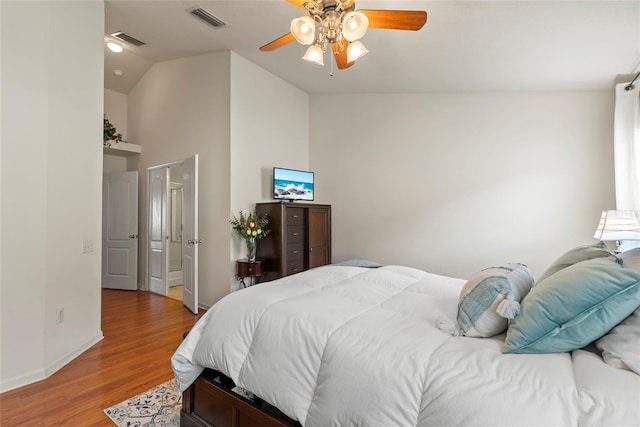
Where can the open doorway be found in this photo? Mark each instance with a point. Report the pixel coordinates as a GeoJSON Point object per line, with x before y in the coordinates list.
{"type": "Point", "coordinates": [174, 211]}
{"type": "Point", "coordinates": [172, 238]}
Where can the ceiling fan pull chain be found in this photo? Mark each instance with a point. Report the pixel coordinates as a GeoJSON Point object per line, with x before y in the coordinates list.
{"type": "Point", "coordinates": [331, 71]}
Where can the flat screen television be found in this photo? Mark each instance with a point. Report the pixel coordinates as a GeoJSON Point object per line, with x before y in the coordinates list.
{"type": "Point", "coordinates": [290, 184]}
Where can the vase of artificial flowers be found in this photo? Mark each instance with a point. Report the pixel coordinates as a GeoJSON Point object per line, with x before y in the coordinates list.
{"type": "Point", "coordinates": [251, 227]}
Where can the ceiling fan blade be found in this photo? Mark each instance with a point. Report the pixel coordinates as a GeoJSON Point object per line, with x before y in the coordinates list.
{"type": "Point", "coordinates": [341, 55]}
{"type": "Point", "coordinates": [299, 3]}
{"type": "Point", "coordinates": [396, 19]}
{"type": "Point", "coordinates": [279, 42]}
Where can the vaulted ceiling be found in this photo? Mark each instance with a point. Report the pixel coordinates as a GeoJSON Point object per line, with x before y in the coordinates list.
{"type": "Point", "coordinates": [464, 46]}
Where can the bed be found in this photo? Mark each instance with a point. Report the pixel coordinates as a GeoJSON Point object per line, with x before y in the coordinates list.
{"type": "Point", "coordinates": [343, 345]}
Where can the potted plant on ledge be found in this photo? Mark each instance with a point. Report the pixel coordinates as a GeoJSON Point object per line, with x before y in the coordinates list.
{"type": "Point", "coordinates": [110, 134]}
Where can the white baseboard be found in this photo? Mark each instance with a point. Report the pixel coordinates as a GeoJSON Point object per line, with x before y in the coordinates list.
{"type": "Point", "coordinates": [61, 362]}
{"type": "Point", "coordinates": [175, 278]}
{"type": "Point", "coordinates": [42, 374]}
{"type": "Point", "coordinates": [22, 380]}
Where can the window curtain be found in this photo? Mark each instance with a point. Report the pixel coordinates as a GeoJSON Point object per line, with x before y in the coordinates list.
{"type": "Point", "coordinates": [627, 147]}
{"type": "Point", "coordinates": [627, 151]}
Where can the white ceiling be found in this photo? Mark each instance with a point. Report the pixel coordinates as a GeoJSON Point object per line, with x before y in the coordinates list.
{"type": "Point", "coordinates": [464, 46]}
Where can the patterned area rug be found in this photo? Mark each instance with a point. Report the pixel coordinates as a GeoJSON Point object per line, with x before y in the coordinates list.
{"type": "Point", "coordinates": [159, 406]}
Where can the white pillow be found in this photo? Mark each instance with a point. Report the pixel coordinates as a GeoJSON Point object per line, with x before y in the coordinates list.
{"type": "Point", "coordinates": [630, 259]}
{"type": "Point", "coordinates": [491, 297]}
{"type": "Point", "coordinates": [621, 346]}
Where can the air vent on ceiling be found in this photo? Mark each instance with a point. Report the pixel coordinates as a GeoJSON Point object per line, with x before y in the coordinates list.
{"type": "Point", "coordinates": [127, 38]}
{"type": "Point", "coordinates": [207, 17]}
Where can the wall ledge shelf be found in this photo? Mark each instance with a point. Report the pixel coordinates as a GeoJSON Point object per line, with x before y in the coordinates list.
{"type": "Point", "coordinates": [123, 149]}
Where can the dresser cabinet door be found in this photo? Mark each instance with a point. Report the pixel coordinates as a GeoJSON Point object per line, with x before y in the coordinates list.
{"type": "Point", "coordinates": [319, 237]}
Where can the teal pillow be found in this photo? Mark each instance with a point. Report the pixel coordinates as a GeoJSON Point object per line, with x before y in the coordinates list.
{"type": "Point", "coordinates": [575, 255]}
{"type": "Point", "coordinates": [359, 263]}
{"type": "Point", "coordinates": [574, 307]}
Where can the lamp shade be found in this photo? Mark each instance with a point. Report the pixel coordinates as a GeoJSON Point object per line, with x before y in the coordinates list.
{"type": "Point", "coordinates": [618, 225]}
{"type": "Point", "coordinates": [314, 54]}
{"type": "Point", "coordinates": [356, 50]}
{"type": "Point", "coordinates": [354, 25]}
{"type": "Point", "coordinates": [303, 29]}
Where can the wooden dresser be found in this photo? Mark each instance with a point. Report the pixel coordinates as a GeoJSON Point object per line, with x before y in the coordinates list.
{"type": "Point", "coordinates": [300, 238]}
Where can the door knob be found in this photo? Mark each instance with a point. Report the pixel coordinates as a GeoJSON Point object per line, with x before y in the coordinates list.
{"type": "Point", "coordinates": [190, 242]}
{"type": "Point", "coordinates": [133, 236]}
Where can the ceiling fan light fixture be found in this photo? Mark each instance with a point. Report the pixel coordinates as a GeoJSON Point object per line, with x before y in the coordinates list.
{"type": "Point", "coordinates": [304, 30]}
{"type": "Point", "coordinates": [355, 51]}
{"type": "Point", "coordinates": [314, 54]}
{"type": "Point", "coordinates": [114, 47]}
{"type": "Point", "coordinates": [354, 25]}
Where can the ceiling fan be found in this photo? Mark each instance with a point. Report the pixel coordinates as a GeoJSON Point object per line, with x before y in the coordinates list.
{"type": "Point", "coordinates": [339, 24]}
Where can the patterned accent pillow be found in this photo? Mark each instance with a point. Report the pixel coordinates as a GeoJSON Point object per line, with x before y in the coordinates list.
{"type": "Point", "coordinates": [491, 297]}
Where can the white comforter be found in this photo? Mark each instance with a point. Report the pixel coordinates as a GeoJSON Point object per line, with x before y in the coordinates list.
{"type": "Point", "coordinates": [351, 346]}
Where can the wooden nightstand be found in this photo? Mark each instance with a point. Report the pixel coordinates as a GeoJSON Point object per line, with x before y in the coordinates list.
{"type": "Point", "coordinates": [250, 269]}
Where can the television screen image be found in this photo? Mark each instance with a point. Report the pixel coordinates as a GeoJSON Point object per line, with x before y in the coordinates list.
{"type": "Point", "coordinates": [289, 184]}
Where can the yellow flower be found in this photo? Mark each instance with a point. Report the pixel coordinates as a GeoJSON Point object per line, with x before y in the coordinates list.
{"type": "Point", "coordinates": [251, 226]}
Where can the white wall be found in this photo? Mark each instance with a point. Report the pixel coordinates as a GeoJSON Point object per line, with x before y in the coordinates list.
{"type": "Point", "coordinates": [115, 109]}
{"type": "Point", "coordinates": [51, 175]}
{"type": "Point", "coordinates": [269, 127]}
{"type": "Point", "coordinates": [452, 183]}
{"type": "Point", "coordinates": [178, 109]}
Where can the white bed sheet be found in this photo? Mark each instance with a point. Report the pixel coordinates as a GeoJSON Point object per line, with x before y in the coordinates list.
{"type": "Point", "coordinates": [342, 346]}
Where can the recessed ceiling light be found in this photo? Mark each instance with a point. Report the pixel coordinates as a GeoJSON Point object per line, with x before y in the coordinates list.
{"type": "Point", "coordinates": [114, 47]}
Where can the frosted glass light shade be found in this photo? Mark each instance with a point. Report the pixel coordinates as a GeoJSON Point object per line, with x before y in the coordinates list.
{"type": "Point", "coordinates": [354, 25]}
{"type": "Point", "coordinates": [304, 30]}
{"type": "Point", "coordinates": [356, 50]}
{"type": "Point", "coordinates": [618, 225]}
{"type": "Point", "coordinates": [314, 54]}
{"type": "Point", "coordinates": [114, 47]}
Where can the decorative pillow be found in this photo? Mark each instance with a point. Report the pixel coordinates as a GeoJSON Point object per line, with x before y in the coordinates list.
{"type": "Point", "coordinates": [573, 307]}
{"type": "Point", "coordinates": [359, 263]}
{"type": "Point", "coordinates": [492, 296]}
{"type": "Point", "coordinates": [621, 347]}
{"type": "Point", "coordinates": [631, 258]}
{"type": "Point", "coordinates": [575, 255]}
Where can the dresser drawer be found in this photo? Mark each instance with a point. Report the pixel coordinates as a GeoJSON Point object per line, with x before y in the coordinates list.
{"type": "Point", "coordinates": [294, 216]}
{"type": "Point", "coordinates": [295, 251]}
{"type": "Point", "coordinates": [295, 234]}
{"type": "Point", "coordinates": [294, 267]}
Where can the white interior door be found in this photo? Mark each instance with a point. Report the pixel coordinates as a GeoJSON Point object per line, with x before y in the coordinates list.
{"type": "Point", "coordinates": [120, 230]}
{"type": "Point", "coordinates": [190, 240]}
{"type": "Point", "coordinates": [157, 263]}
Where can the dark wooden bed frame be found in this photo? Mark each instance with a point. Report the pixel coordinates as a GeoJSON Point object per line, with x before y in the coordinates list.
{"type": "Point", "coordinates": [210, 402]}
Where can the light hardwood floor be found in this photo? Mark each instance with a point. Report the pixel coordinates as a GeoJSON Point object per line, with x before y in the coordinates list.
{"type": "Point", "coordinates": [141, 332]}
